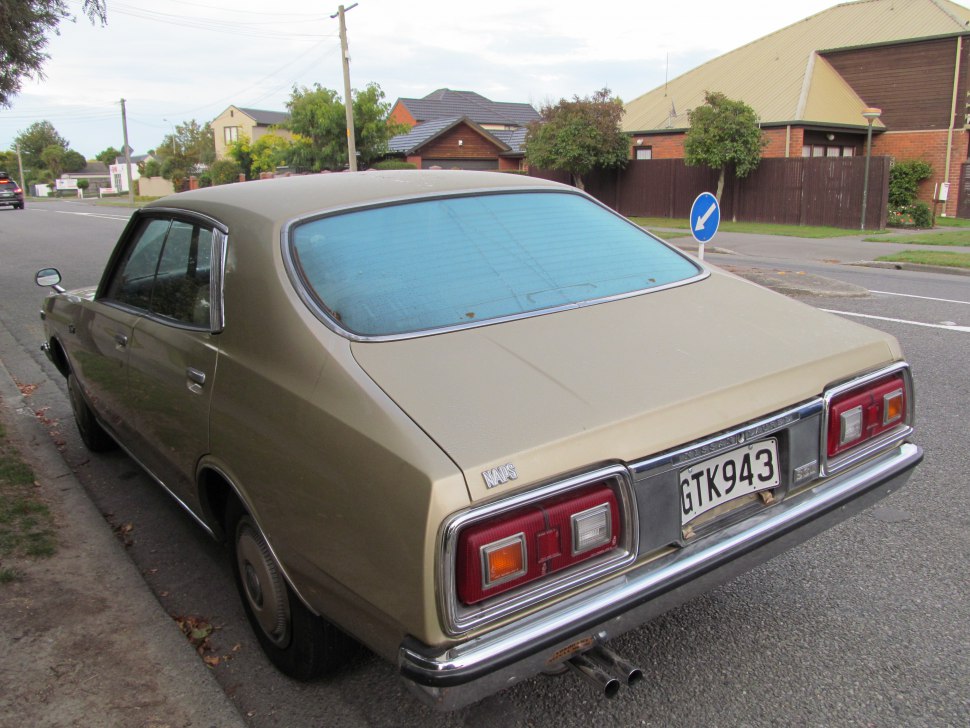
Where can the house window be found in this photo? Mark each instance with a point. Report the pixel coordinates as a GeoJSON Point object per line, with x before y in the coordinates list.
{"type": "Point", "coordinates": [827, 150]}
{"type": "Point", "coordinates": [644, 152]}
{"type": "Point", "coordinates": [231, 134]}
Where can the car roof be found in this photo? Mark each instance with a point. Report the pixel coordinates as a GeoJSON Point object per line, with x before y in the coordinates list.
{"type": "Point", "coordinates": [283, 199]}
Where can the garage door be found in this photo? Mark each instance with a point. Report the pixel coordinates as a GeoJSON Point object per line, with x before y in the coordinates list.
{"type": "Point", "coordinates": [479, 164]}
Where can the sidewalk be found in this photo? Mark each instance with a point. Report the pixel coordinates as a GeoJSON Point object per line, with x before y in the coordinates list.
{"type": "Point", "coordinates": [845, 250]}
{"type": "Point", "coordinates": [85, 641]}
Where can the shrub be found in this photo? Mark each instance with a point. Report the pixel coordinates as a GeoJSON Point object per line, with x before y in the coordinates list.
{"type": "Point", "coordinates": [917, 215]}
{"type": "Point", "coordinates": [904, 179]}
{"type": "Point", "coordinates": [225, 171]}
{"type": "Point", "coordinates": [393, 164]}
{"type": "Point", "coordinates": [922, 218]}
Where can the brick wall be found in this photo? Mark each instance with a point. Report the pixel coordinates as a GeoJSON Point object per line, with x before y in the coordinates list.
{"type": "Point", "coordinates": [664, 146]}
{"type": "Point", "coordinates": [928, 146]}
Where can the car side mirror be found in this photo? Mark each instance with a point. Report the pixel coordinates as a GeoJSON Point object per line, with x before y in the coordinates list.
{"type": "Point", "coordinates": [49, 278]}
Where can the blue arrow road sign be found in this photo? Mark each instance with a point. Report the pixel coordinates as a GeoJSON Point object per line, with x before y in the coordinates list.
{"type": "Point", "coordinates": [705, 216]}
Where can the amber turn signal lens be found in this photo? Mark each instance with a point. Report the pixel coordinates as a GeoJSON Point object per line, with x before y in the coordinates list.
{"type": "Point", "coordinates": [504, 561]}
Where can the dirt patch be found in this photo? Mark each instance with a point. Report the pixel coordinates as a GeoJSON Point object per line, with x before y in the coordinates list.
{"type": "Point", "coordinates": [797, 283]}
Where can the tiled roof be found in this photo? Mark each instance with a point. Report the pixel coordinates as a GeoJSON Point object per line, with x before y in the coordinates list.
{"type": "Point", "coordinates": [266, 118]}
{"type": "Point", "coordinates": [783, 77]}
{"type": "Point", "coordinates": [514, 139]}
{"type": "Point", "coordinates": [447, 104]}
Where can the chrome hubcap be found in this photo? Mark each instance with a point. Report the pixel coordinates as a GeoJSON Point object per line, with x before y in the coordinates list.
{"type": "Point", "coordinates": [262, 583]}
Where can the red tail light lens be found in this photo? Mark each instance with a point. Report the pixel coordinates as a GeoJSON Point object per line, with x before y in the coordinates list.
{"type": "Point", "coordinates": [512, 549]}
{"type": "Point", "coordinates": [863, 414]}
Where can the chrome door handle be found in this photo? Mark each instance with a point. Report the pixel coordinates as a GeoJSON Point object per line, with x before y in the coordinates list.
{"type": "Point", "coordinates": [196, 380]}
{"type": "Point", "coordinates": [121, 341]}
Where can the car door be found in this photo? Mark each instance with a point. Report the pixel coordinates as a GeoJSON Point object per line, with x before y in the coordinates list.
{"type": "Point", "coordinates": [172, 352]}
{"type": "Point", "coordinates": [104, 328]}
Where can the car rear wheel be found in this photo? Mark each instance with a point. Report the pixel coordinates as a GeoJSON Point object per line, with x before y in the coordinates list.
{"type": "Point", "coordinates": [93, 435]}
{"type": "Point", "coordinates": [299, 643]}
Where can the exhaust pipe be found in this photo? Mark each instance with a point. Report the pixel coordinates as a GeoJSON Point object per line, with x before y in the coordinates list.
{"type": "Point", "coordinates": [595, 674]}
{"type": "Point", "coordinates": [602, 667]}
{"type": "Point", "coordinates": [616, 665]}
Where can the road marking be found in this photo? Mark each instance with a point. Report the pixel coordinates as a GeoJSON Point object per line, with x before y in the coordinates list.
{"type": "Point", "coordinates": [962, 329]}
{"type": "Point", "coordinates": [924, 298]}
{"type": "Point", "coordinates": [91, 214]}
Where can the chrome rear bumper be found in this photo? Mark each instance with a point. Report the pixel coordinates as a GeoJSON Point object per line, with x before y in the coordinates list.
{"type": "Point", "coordinates": [465, 673]}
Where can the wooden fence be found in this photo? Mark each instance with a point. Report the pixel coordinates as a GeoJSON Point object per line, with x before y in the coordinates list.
{"type": "Point", "coordinates": [795, 191]}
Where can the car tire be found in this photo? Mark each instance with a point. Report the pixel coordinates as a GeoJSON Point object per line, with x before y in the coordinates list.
{"type": "Point", "coordinates": [93, 435]}
{"type": "Point", "coordinates": [300, 644]}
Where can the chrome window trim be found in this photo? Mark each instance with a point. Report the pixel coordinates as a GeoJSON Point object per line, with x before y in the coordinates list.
{"type": "Point", "coordinates": [458, 620]}
{"type": "Point", "coordinates": [217, 273]}
{"type": "Point", "coordinates": [310, 301]}
{"type": "Point", "coordinates": [884, 441]}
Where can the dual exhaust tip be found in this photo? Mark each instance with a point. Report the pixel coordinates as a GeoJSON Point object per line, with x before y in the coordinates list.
{"type": "Point", "coordinates": [605, 669]}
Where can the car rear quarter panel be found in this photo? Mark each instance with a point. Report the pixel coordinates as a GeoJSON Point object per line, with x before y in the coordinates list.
{"type": "Point", "coordinates": [348, 490]}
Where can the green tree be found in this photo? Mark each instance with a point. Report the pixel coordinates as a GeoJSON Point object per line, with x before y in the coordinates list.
{"type": "Point", "coordinates": [152, 168]}
{"type": "Point", "coordinates": [723, 133]}
{"type": "Point", "coordinates": [372, 127]}
{"type": "Point", "coordinates": [53, 158]}
{"type": "Point", "coordinates": [318, 115]}
{"type": "Point", "coordinates": [108, 156]}
{"type": "Point", "coordinates": [242, 152]}
{"type": "Point", "coordinates": [74, 161]}
{"type": "Point", "coordinates": [579, 136]}
{"type": "Point", "coordinates": [269, 152]}
{"type": "Point", "coordinates": [35, 139]}
{"type": "Point", "coordinates": [24, 29]}
{"type": "Point", "coordinates": [190, 149]}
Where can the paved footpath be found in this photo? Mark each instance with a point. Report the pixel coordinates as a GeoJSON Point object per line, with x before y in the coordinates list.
{"type": "Point", "coordinates": [85, 642]}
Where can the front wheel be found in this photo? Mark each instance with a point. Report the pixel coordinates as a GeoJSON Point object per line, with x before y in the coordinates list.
{"type": "Point", "coordinates": [302, 645]}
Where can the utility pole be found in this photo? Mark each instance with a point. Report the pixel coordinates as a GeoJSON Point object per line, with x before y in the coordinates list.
{"type": "Point", "coordinates": [124, 129]}
{"type": "Point", "coordinates": [348, 101]}
{"type": "Point", "coordinates": [20, 164]}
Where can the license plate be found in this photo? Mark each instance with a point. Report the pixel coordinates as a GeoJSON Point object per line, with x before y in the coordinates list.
{"type": "Point", "coordinates": [728, 476]}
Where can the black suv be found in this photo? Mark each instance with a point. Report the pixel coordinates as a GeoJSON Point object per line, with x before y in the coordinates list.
{"type": "Point", "coordinates": [10, 192]}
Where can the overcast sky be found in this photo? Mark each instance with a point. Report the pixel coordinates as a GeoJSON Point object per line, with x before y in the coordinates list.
{"type": "Point", "coordinates": [180, 59]}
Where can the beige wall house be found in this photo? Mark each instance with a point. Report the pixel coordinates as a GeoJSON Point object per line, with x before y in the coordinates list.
{"type": "Point", "coordinates": [236, 122]}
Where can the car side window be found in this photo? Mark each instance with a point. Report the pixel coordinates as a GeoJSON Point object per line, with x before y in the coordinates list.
{"type": "Point", "coordinates": [181, 289]}
{"type": "Point", "coordinates": [167, 271]}
{"type": "Point", "coordinates": [132, 283]}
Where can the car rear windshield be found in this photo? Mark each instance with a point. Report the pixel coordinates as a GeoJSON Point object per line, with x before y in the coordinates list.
{"type": "Point", "coordinates": [433, 264]}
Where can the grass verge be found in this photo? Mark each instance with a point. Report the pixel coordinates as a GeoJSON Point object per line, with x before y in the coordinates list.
{"type": "Point", "coordinates": [951, 237]}
{"type": "Point", "coordinates": [26, 522]}
{"type": "Point", "coordinates": [755, 228]}
{"type": "Point", "coordinates": [929, 257]}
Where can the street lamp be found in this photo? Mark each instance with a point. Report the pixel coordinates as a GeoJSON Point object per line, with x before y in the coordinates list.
{"type": "Point", "coordinates": [870, 114]}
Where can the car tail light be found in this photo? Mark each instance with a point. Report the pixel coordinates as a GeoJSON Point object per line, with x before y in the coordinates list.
{"type": "Point", "coordinates": [520, 546]}
{"type": "Point", "coordinates": [860, 415]}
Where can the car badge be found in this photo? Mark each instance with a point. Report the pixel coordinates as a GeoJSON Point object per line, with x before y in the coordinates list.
{"type": "Point", "coordinates": [498, 476]}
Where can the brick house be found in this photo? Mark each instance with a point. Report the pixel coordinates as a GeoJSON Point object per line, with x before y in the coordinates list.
{"type": "Point", "coordinates": [461, 130]}
{"type": "Point", "coordinates": [809, 83]}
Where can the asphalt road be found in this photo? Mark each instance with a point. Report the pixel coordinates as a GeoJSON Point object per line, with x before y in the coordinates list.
{"type": "Point", "coordinates": [865, 625]}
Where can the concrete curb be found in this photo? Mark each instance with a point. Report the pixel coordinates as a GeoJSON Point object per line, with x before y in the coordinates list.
{"type": "Point", "coordinates": [162, 680]}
